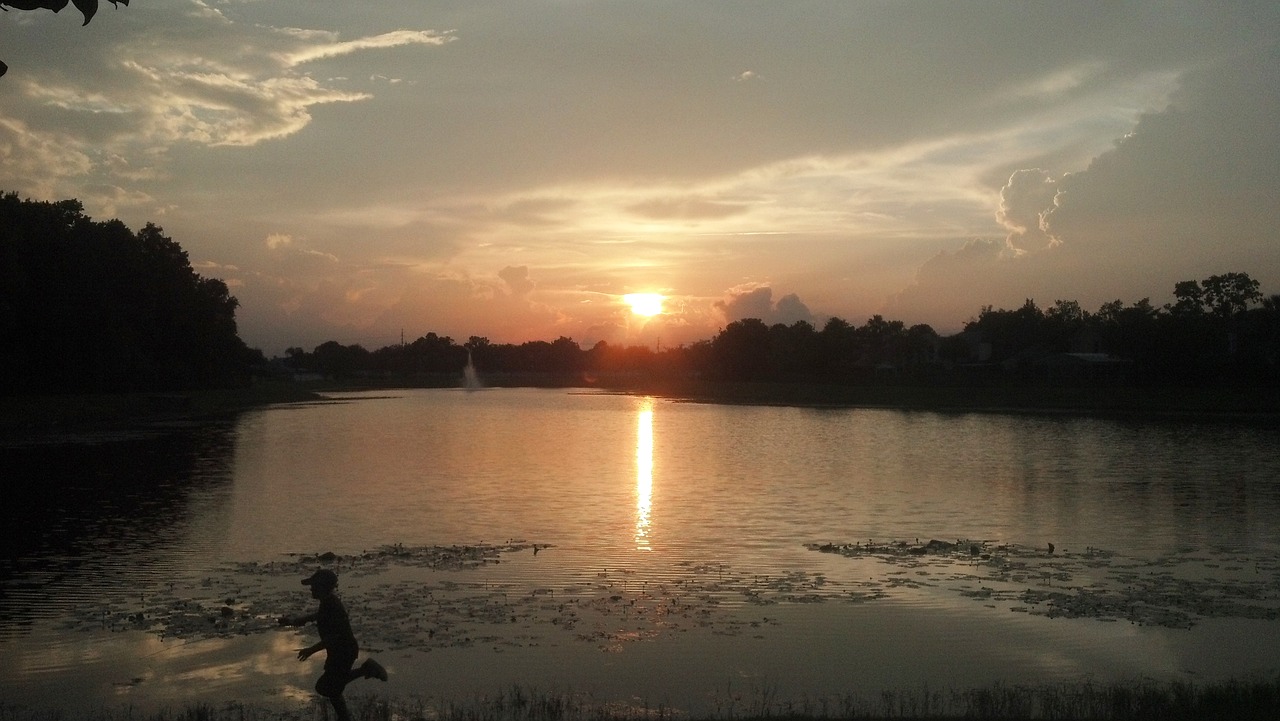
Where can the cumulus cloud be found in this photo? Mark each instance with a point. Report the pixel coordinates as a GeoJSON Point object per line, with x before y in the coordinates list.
{"type": "Point", "coordinates": [278, 240]}
{"type": "Point", "coordinates": [1024, 202]}
{"type": "Point", "coordinates": [1207, 166]}
{"type": "Point", "coordinates": [757, 302]}
{"type": "Point", "coordinates": [517, 280]}
{"type": "Point", "coordinates": [1187, 193]}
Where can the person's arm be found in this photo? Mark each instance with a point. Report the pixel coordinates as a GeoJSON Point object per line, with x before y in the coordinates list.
{"type": "Point", "coordinates": [305, 653]}
{"type": "Point", "coordinates": [297, 620]}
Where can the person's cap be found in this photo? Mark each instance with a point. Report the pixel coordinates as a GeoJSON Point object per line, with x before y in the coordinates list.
{"type": "Point", "coordinates": [323, 578]}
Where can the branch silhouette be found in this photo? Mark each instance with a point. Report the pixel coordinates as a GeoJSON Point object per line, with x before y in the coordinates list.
{"type": "Point", "coordinates": [88, 8]}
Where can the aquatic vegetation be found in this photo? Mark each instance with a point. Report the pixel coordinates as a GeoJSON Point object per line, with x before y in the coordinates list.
{"type": "Point", "coordinates": [1174, 590]}
{"type": "Point", "coordinates": [420, 598]}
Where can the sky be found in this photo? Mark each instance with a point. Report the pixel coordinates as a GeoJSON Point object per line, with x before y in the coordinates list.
{"type": "Point", "coordinates": [363, 171]}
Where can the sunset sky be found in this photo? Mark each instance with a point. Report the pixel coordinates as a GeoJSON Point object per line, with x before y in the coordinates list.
{"type": "Point", "coordinates": [513, 168]}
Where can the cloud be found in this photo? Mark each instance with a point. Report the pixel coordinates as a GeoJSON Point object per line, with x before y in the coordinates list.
{"type": "Point", "coordinates": [32, 159]}
{"type": "Point", "coordinates": [278, 240]}
{"type": "Point", "coordinates": [110, 199]}
{"type": "Point", "coordinates": [517, 280]}
{"type": "Point", "coordinates": [1024, 202]}
{"type": "Point", "coordinates": [1188, 192]}
{"type": "Point", "coordinates": [206, 106]}
{"type": "Point", "coordinates": [757, 302]}
{"type": "Point", "coordinates": [1207, 166]}
{"type": "Point", "coordinates": [393, 39]}
{"type": "Point", "coordinates": [125, 98]}
{"type": "Point", "coordinates": [684, 208]}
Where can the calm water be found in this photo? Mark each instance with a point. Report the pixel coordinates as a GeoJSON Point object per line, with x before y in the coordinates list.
{"type": "Point", "coordinates": [679, 551]}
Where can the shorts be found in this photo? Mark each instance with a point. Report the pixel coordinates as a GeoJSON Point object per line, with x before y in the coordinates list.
{"type": "Point", "coordinates": [337, 674]}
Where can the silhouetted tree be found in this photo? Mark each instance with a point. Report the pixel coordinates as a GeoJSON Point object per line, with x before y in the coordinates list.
{"type": "Point", "coordinates": [1189, 298]}
{"type": "Point", "coordinates": [1231, 293]}
{"type": "Point", "coordinates": [87, 7]}
{"type": "Point", "coordinates": [1010, 332]}
{"type": "Point", "coordinates": [338, 361]}
{"type": "Point", "coordinates": [792, 348]}
{"type": "Point", "coordinates": [92, 306]}
{"type": "Point", "coordinates": [837, 348]}
{"type": "Point", "coordinates": [1223, 295]}
{"type": "Point", "coordinates": [742, 351]}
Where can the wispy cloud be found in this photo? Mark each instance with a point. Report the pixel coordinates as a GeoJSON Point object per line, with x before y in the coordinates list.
{"type": "Point", "coordinates": [199, 76]}
{"type": "Point", "coordinates": [393, 39]}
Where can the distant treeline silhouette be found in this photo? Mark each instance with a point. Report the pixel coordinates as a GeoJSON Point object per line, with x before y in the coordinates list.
{"type": "Point", "coordinates": [90, 306]}
{"type": "Point", "coordinates": [1220, 330]}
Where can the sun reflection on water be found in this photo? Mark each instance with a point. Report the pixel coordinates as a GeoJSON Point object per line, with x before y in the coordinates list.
{"type": "Point", "coordinates": [644, 473]}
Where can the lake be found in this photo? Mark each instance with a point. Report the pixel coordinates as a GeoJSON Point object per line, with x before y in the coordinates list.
{"type": "Point", "coordinates": [637, 551]}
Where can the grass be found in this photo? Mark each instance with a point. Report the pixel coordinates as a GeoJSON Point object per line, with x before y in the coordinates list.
{"type": "Point", "coordinates": [64, 413]}
{"type": "Point", "coordinates": [1142, 701]}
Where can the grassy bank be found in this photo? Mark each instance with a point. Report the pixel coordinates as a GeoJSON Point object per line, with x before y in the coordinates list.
{"type": "Point", "coordinates": [73, 413]}
{"type": "Point", "coordinates": [1225, 400]}
{"type": "Point", "coordinates": [1262, 404]}
{"type": "Point", "coordinates": [1147, 701]}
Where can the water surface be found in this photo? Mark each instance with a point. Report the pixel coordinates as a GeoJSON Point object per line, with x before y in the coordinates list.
{"type": "Point", "coordinates": [686, 554]}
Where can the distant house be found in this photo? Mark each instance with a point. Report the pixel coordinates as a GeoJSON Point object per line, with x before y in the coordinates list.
{"type": "Point", "coordinates": [1086, 340]}
{"type": "Point", "coordinates": [1091, 368]}
{"type": "Point", "coordinates": [980, 348]}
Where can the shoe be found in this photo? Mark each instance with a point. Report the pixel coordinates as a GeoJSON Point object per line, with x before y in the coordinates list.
{"type": "Point", "coordinates": [373, 669]}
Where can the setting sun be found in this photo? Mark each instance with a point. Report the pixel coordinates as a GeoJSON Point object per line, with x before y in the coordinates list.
{"type": "Point", "coordinates": [644, 303]}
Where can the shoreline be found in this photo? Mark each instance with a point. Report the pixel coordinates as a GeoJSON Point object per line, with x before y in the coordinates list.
{"type": "Point", "coordinates": [24, 418]}
{"type": "Point", "coordinates": [1261, 406]}
{"type": "Point", "coordinates": [51, 417]}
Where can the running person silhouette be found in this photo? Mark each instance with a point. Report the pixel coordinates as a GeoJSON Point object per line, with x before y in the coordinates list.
{"type": "Point", "coordinates": [336, 640]}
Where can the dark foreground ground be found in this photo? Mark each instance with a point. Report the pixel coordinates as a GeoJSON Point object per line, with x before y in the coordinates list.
{"type": "Point", "coordinates": [1148, 701]}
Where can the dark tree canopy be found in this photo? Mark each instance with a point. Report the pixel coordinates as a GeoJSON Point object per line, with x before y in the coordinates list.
{"type": "Point", "coordinates": [89, 306]}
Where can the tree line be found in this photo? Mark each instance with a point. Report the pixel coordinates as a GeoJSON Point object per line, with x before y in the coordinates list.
{"type": "Point", "coordinates": [1218, 330]}
{"type": "Point", "coordinates": [89, 306]}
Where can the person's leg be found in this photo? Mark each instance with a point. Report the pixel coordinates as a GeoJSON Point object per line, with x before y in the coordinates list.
{"type": "Point", "coordinates": [331, 684]}
{"type": "Point", "coordinates": [371, 669]}
{"type": "Point", "coordinates": [340, 707]}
